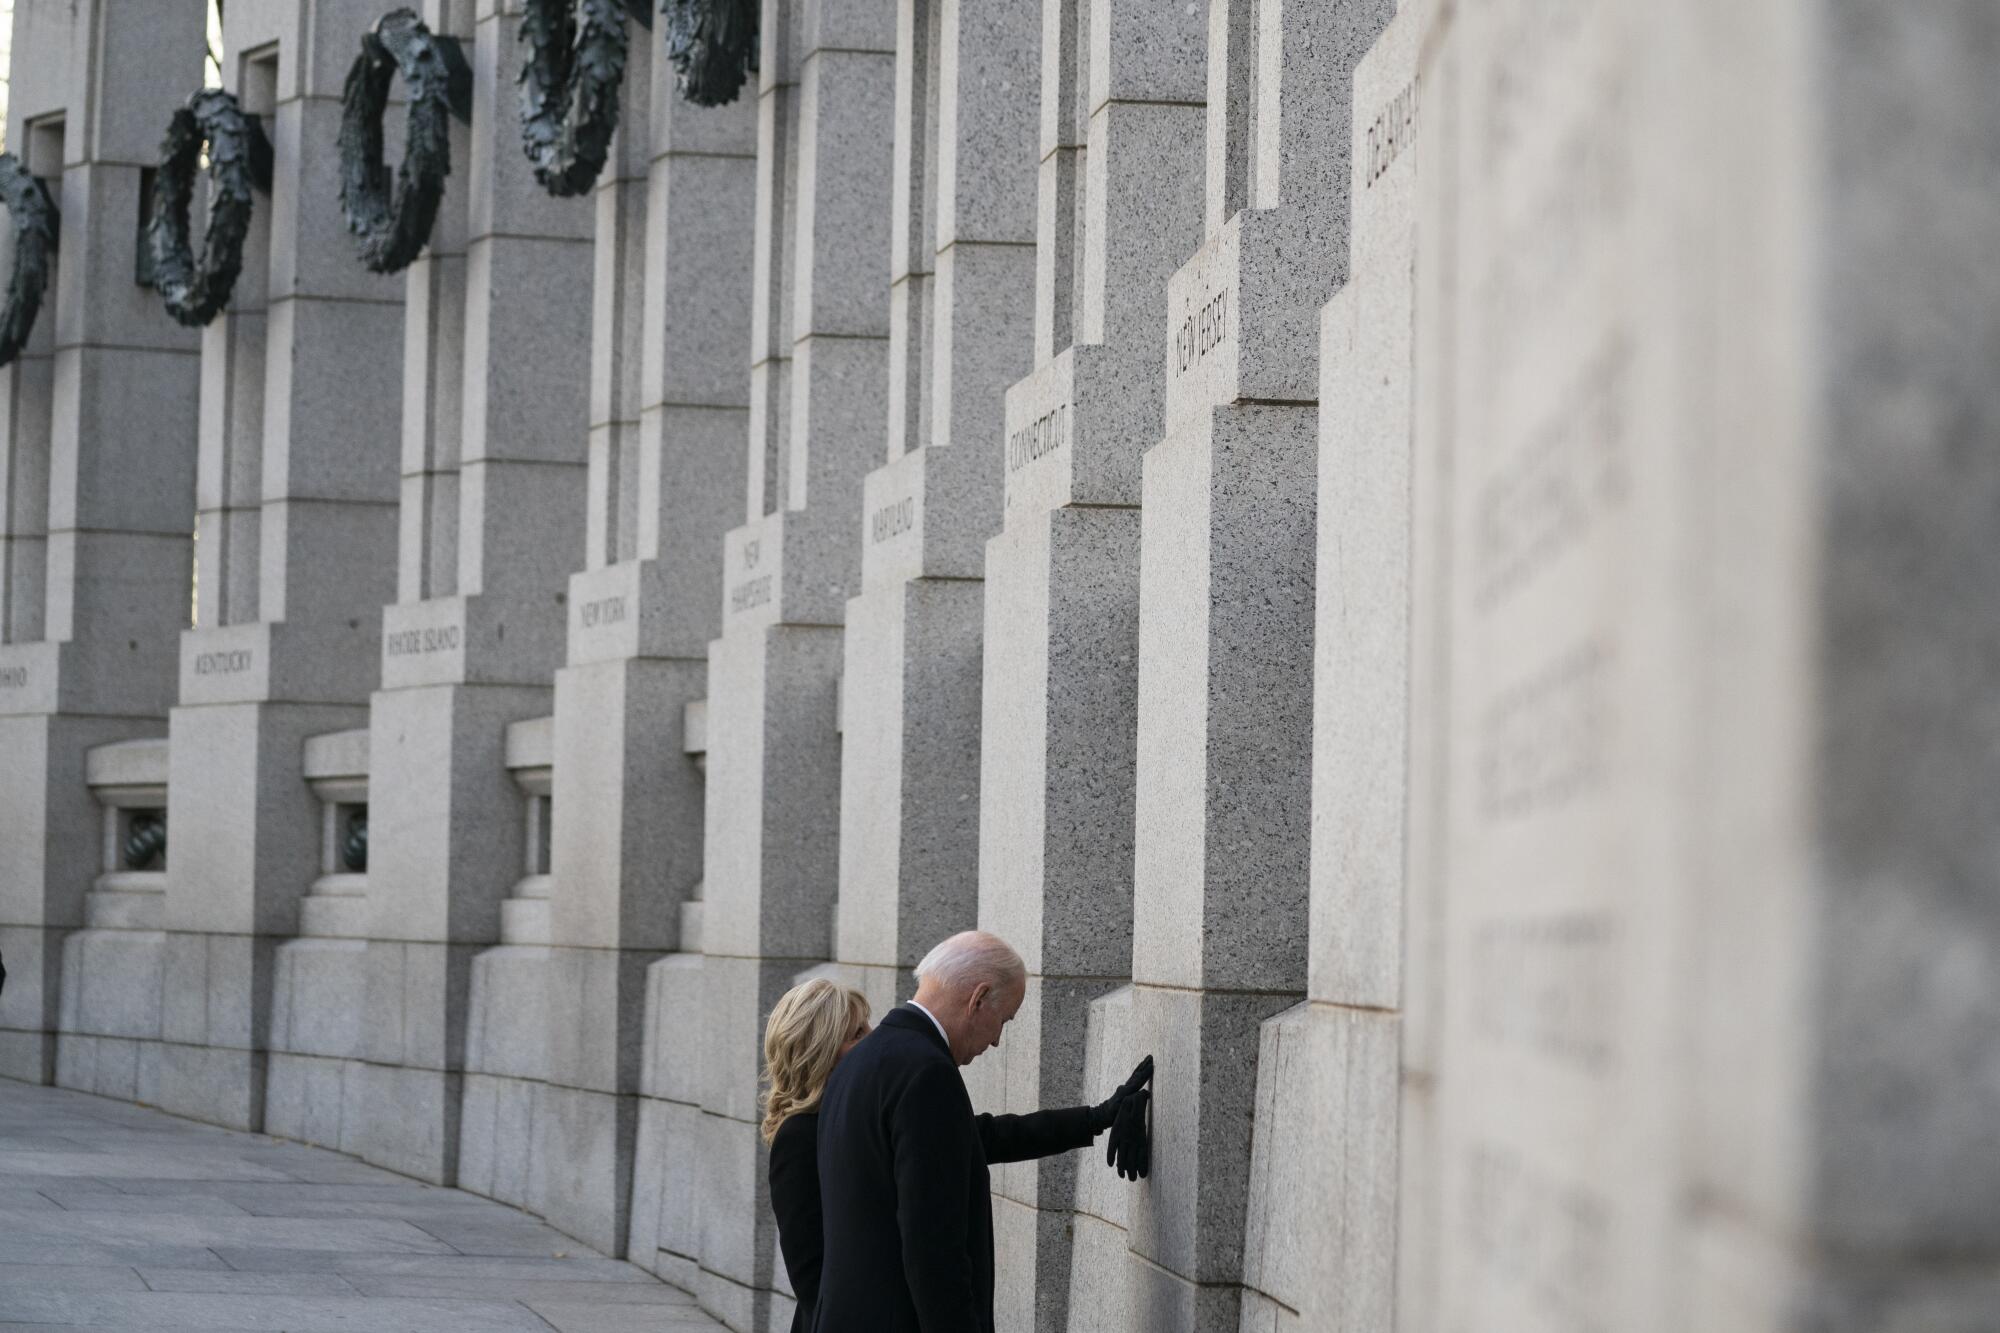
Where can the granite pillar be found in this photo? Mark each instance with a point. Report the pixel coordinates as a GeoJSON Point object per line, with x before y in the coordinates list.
{"type": "Point", "coordinates": [961, 331]}
{"type": "Point", "coordinates": [1118, 208]}
{"type": "Point", "coordinates": [819, 380]}
{"type": "Point", "coordinates": [669, 425]}
{"type": "Point", "coordinates": [1227, 629]}
{"type": "Point", "coordinates": [1321, 1218]}
{"type": "Point", "coordinates": [97, 452]}
{"type": "Point", "coordinates": [295, 491]}
{"type": "Point", "coordinates": [321, 975]}
{"type": "Point", "coordinates": [1712, 938]}
{"type": "Point", "coordinates": [473, 641]}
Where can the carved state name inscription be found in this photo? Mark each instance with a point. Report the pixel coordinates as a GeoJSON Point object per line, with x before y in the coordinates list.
{"type": "Point", "coordinates": [1040, 437]}
{"type": "Point", "coordinates": [892, 520]}
{"type": "Point", "coordinates": [1393, 130]}
{"type": "Point", "coordinates": [1202, 330]}
{"type": "Point", "coordinates": [1544, 740]}
{"type": "Point", "coordinates": [752, 592]}
{"type": "Point", "coordinates": [1548, 1238]}
{"type": "Point", "coordinates": [1571, 470]}
{"type": "Point", "coordinates": [603, 611]}
{"type": "Point", "coordinates": [228, 663]}
{"type": "Point", "coordinates": [416, 642]}
{"type": "Point", "coordinates": [1547, 984]}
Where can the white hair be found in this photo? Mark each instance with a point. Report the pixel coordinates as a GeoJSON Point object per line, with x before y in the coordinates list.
{"type": "Point", "coordinates": [970, 957]}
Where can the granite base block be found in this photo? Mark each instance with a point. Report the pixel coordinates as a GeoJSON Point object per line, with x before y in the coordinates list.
{"type": "Point", "coordinates": [1189, 1218]}
{"type": "Point", "coordinates": [219, 1084]}
{"type": "Point", "coordinates": [588, 1141]}
{"type": "Point", "coordinates": [317, 997]}
{"type": "Point", "coordinates": [1101, 1277]}
{"type": "Point", "coordinates": [109, 1067]}
{"type": "Point", "coordinates": [302, 1098]}
{"type": "Point", "coordinates": [1033, 1250]}
{"type": "Point", "coordinates": [1166, 1302]}
{"type": "Point", "coordinates": [30, 1006]}
{"type": "Point", "coordinates": [507, 1025]}
{"type": "Point", "coordinates": [499, 1140]}
{"type": "Point", "coordinates": [736, 1305]}
{"type": "Point", "coordinates": [734, 1201]}
{"type": "Point", "coordinates": [111, 983]}
{"type": "Point", "coordinates": [1320, 1227]}
{"type": "Point", "coordinates": [402, 1118]}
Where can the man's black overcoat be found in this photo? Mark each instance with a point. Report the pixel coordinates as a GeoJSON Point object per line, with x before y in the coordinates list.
{"type": "Point", "coordinates": [904, 1188]}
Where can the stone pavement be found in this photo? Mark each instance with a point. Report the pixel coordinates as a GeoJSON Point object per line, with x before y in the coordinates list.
{"type": "Point", "coordinates": [115, 1216]}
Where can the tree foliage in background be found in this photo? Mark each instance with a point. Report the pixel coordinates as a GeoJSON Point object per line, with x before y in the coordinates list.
{"type": "Point", "coordinates": [569, 88]}
{"type": "Point", "coordinates": [34, 219]}
{"type": "Point", "coordinates": [713, 44]}
{"type": "Point", "coordinates": [196, 289]}
{"type": "Point", "coordinates": [394, 227]}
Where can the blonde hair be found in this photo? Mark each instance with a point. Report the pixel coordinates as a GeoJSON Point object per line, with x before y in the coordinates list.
{"type": "Point", "coordinates": [802, 1040]}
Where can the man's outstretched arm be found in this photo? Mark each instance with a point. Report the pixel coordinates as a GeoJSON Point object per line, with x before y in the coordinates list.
{"type": "Point", "coordinates": [1022, 1138]}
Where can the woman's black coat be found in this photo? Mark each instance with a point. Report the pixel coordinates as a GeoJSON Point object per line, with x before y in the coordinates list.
{"type": "Point", "coordinates": [907, 1234]}
{"type": "Point", "coordinates": [795, 1199]}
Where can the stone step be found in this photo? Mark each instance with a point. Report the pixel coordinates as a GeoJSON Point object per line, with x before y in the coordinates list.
{"type": "Point", "coordinates": [524, 921]}
{"type": "Point", "coordinates": [334, 916]}
{"type": "Point", "coordinates": [132, 901]}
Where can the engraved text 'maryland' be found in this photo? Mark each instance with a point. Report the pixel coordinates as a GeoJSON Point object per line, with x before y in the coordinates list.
{"type": "Point", "coordinates": [892, 520]}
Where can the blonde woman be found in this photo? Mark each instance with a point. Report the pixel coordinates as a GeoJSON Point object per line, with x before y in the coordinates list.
{"type": "Point", "coordinates": [811, 1028]}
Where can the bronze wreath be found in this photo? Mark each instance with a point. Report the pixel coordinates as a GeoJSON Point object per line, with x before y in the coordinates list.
{"type": "Point", "coordinates": [393, 228]}
{"type": "Point", "coordinates": [569, 88]}
{"type": "Point", "coordinates": [713, 44]}
{"type": "Point", "coordinates": [195, 290]}
{"type": "Point", "coordinates": [34, 217]}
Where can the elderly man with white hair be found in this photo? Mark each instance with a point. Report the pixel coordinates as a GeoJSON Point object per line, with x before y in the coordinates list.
{"type": "Point", "coordinates": [908, 1213]}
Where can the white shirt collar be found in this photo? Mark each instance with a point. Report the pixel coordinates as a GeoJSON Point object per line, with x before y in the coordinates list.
{"type": "Point", "coordinates": [934, 1023]}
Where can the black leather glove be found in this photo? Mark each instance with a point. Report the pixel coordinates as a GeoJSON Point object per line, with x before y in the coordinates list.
{"type": "Point", "coordinates": [1130, 1148]}
{"type": "Point", "coordinates": [1105, 1114]}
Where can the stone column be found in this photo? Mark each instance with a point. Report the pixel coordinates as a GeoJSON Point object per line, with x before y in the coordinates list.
{"type": "Point", "coordinates": [819, 376]}
{"type": "Point", "coordinates": [1714, 940]}
{"type": "Point", "coordinates": [1323, 1189]}
{"type": "Point", "coordinates": [669, 428]}
{"type": "Point", "coordinates": [1119, 207]}
{"type": "Point", "coordinates": [297, 492]}
{"type": "Point", "coordinates": [97, 454]}
{"type": "Point", "coordinates": [476, 650]}
{"type": "Point", "coordinates": [321, 979]}
{"type": "Point", "coordinates": [961, 331]}
{"type": "Point", "coordinates": [1226, 632]}
{"type": "Point", "coordinates": [694, 421]}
